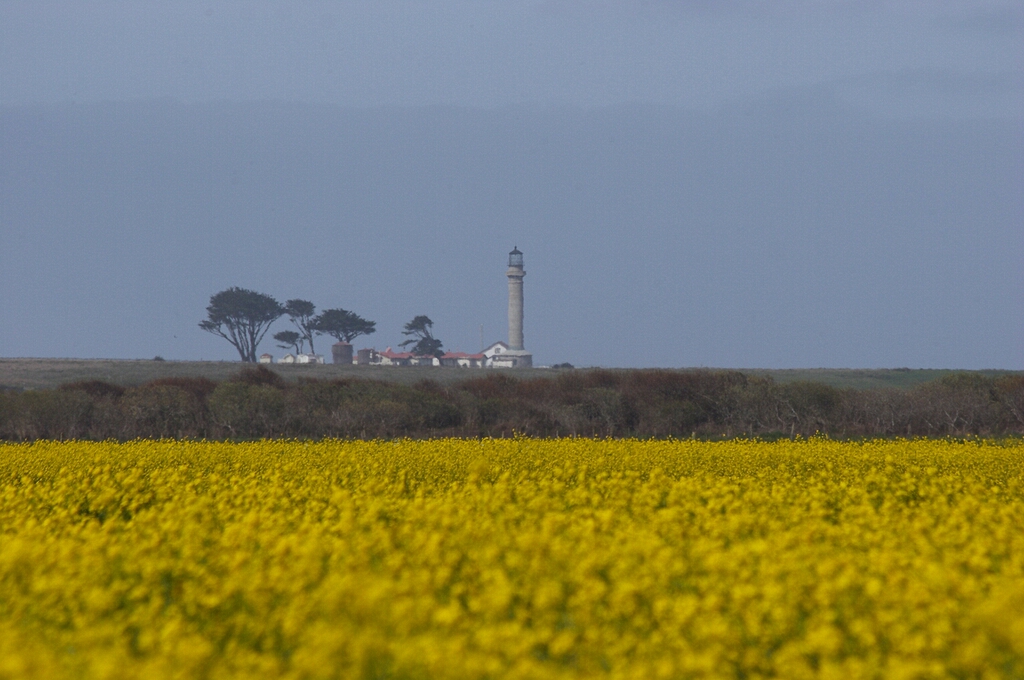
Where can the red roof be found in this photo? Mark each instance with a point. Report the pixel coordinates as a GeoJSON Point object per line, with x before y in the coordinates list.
{"type": "Point", "coordinates": [389, 354]}
{"type": "Point", "coordinates": [397, 355]}
{"type": "Point", "coordinates": [461, 355]}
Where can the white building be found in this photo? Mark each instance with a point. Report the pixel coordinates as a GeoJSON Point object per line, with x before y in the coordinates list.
{"type": "Point", "coordinates": [499, 355]}
{"type": "Point", "coordinates": [461, 360]}
{"type": "Point", "coordinates": [495, 350]}
{"type": "Point", "coordinates": [309, 359]}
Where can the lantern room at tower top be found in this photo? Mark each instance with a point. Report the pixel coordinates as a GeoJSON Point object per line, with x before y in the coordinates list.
{"type": "Point", "coordinates": [515, 258]}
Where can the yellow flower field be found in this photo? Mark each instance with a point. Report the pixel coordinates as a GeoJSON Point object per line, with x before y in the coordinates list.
{"type": "Point", "coordinates": [512, 559]}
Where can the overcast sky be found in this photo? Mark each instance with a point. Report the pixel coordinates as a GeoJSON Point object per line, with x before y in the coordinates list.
{"type": "Point", "coordinates": [957, 57]}
{"type": "Point", "coordinates": [735, 184]}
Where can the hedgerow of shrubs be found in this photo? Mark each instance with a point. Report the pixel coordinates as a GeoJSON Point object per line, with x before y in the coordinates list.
{"type": "Point", "coordinates": [642, 403]}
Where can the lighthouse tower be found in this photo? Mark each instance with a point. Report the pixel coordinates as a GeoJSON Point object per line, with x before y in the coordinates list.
{"type": "Point", "coordinates": [516, 355]}
{"type": "Point", "coordinates": [515, 276]}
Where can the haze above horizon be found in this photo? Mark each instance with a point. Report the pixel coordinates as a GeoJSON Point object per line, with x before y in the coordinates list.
{"type": "Point", "coordinates": [811, 184]}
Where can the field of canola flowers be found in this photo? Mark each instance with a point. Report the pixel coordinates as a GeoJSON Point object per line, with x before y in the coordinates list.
{"type": "Point", "coordinates": [512, 559]}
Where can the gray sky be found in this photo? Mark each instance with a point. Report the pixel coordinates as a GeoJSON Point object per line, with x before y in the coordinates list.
{"type": "Point", "coordinates": [737, 184]}
{"type": "Point", "coordinates": [960, 57]}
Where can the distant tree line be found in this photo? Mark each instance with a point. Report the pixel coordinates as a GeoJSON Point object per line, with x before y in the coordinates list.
{"type": "Point", "coordinates": [594, 403]}
{"type": "Point", "coordinates": [243, 317]}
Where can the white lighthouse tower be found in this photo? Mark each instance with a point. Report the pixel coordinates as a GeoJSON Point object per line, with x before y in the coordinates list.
{"type": "Point", "coordinates": [516, 355]}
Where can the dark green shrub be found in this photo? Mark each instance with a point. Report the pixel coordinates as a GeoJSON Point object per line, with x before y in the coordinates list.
{"type": "Point", "coordinates": [489, 411]}
{"type": "Point", "coordinates": [259, 375]}
{"type": "Point", "coordinates": [491, 386]}
{"type": "Point", "coordinates": [596, 412]}
{"type": "Point", "coordinates": [810, 407]}
{"type": "Point", "coordinates": [1009, 392]}
{"type": "Point", "coordinates": [94, 388]}
{"type": "Point", "coordinates": [50, 414]}
{"type": "Point", "coordinates": [9, 409]}
{"type": "Point", "coordinates": [959, 404]}
{"type": "Point", "coordinates": [162, 411]}
{"type": "Point", "coordinates": [200, 388]}
{"type": "Point", "coordinates": [245, 411]}
{"type": "Point", "coordinates": [433, 413]}
{"type": "Point", "coordinates": [756, 408]}
{"type": "Point", "coordinates": [658, 403]}
{"type": "Point", "coordinates": [645, 403]}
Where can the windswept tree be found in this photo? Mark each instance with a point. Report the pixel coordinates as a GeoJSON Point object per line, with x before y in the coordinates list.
{"type": "Point", "coordinates": [302, 314]}
{"type": "Point", "coordinates": [423, 342]}
{"type": "Point", "coordinates": [242, 317]}
{"type": "Point", "coordinates": [288, 340]}
{"type": "Point", "coordinates": [342, 324]}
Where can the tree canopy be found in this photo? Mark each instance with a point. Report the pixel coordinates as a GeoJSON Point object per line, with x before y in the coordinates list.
{"type": "Point", "coordinates": [342, 324]}
{"type": "Point", "coordinates": [242, 317]}
{"type": "Point", "coordinates": [302, 314]}
{"type": "Point", "coordinates": [289, 340]}
{"type": "Point", "coordinates": [422, 339]}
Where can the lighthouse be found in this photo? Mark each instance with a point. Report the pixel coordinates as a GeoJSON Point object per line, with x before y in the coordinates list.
{"type": "Point", "coordinates": [515, 276]}
{"type": "Point", "coordinates": [516, 355]}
